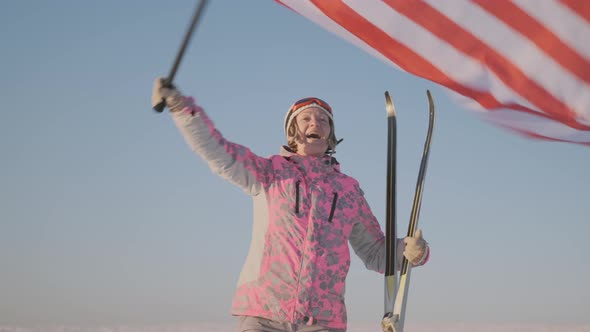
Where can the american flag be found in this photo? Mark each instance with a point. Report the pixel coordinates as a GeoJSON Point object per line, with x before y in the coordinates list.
{"type": "Point", "coordinates": [521, 64]}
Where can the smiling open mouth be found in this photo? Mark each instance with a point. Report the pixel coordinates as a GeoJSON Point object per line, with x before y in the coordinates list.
{"type": "Point", "coordinates": [313, 135]}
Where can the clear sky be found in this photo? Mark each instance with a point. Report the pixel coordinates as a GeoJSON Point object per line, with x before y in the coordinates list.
{"type": "Point", "coordinates": [106, 216]}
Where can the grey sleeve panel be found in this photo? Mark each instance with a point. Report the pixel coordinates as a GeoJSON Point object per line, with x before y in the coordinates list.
{"type": "Point", "coordinates": [231, 161]}
{"type": "Point", "coordinates": [372, 251]}
{"type": "Point", "coordinates": [368, 241]}
{"type": "Point", "coordinates": [367, 238]}
{"type": "Point", "coordinates": [251, 268]}
{"type": "Point", "coordinates": [368, 248]}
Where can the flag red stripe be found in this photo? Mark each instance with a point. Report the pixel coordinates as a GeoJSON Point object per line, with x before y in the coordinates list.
{"type": "Point", "coordinates": [411, 61]}
{"type": "Point", "coordinates": [447, 30]}
{"type": "Point", "coordinates": [545, 39]}
{"type": "Point", "coordinates": [285, 5]}
{"type": "Point", "coordinates": [580, 7]}
{"type": "Point", "coordinates": [534, 135]}
{"type": "Point", "coordinates": [403, 56]}
{"type": "Point", "coordinates": [395, 51]}
{"type": "Point", "coordinates": [400, 51]}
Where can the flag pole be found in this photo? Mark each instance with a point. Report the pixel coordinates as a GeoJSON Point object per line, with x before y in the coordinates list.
{"type": "Point", "coordinates": [189, 32]}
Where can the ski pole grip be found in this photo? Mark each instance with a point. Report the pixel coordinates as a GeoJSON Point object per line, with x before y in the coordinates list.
{"type": "Point", "coordinates": [162, 104]}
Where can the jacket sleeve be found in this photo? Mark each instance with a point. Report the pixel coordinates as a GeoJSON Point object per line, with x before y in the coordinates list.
{"type": "Point", "coordinates": [367, 238]}
{"type": "Point", "coordinates": [231, 161]}
{"type": "Point", "coordinates": [368, 241]}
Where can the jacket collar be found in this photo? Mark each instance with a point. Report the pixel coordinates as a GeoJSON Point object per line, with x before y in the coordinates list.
{"type": "Point", "coordinates": [311, 166]}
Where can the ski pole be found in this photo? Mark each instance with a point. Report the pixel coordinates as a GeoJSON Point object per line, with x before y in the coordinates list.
{"type": "Point", "coordinates": [191, 28]}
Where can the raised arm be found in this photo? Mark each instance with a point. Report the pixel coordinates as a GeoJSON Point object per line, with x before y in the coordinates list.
{"type": "Point", "coordinates": [232, 161]}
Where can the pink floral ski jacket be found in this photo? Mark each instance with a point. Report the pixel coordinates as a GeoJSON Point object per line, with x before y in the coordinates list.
{"type": "Point", "coordinates": [305, 213]}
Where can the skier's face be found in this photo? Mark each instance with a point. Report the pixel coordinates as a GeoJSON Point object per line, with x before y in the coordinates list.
{"type": "Point", "coordinates": [313, 131]}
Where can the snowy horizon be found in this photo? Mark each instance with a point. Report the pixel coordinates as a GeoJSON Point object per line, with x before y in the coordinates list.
{"type": "Point", "coordinates": [355, 327]}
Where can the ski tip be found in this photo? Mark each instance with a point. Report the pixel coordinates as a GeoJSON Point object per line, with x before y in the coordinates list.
{"type": "Point", "coordinates": [430, 101]}
{"type": "Point", "coordinates": [389, 107]}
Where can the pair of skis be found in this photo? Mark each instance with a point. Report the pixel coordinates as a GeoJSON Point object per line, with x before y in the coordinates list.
{"type": "Point", "coordinates": [396, 290]}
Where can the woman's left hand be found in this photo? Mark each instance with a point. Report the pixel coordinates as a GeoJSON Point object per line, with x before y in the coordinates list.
{"type": "Point", "coordinates": [416, 249]}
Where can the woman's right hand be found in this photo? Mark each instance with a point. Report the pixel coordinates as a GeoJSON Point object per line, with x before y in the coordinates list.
{"type": "Point", "coordinates": [174, 100]}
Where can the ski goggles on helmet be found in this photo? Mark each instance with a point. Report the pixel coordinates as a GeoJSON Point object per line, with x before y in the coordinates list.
{"type": "Point", "coordinates": [308, 101]}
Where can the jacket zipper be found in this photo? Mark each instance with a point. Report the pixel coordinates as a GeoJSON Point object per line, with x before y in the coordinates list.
{"type": "Point", "coordinates": [333, 207]}
{"type": "Point", "coordinates": [297, 196]}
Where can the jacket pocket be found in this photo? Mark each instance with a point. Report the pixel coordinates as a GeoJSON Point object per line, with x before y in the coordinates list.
{"type": "Point", "coordinates": [333, 208]}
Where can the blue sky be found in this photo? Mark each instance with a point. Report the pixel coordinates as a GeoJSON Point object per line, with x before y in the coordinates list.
{"type": "Point", "coordinates": [107, 217]}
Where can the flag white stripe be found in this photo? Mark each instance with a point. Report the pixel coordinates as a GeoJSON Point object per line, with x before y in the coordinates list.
{"type": "Point", "coordinates": [524, 121]}
{"type": "Point", "coordinates": [537, 125]}
{"type": "Point", "coordinates": [519, 50]}
{"type": "Point", "coordinates": [311, 12]}
{"type": "Point", "coordinates": [456, 65]}
{"type": "Point", "coordinates": [569, 27]}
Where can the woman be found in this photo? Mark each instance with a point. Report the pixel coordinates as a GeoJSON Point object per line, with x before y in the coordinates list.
{"type": "Point", "coordinates": [305, 213]}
